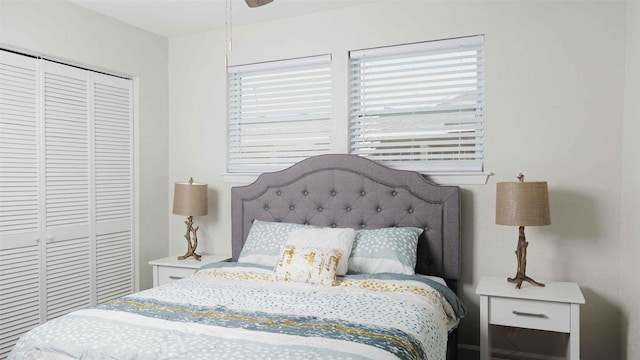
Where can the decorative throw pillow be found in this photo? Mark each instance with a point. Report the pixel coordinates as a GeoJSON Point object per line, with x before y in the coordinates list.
{"type": "Point", "coordinates": [330, 238]}
{"type": "Point", "coordinates": [310, 265]}
{"type": "Point", "coordinates": [264, 240]}
{"type": "Point", "coordinates": [386, 250]}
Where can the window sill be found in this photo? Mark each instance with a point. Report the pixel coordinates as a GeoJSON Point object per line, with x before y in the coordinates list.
{"type": "Point", "coordinates": [239, 179]}
{"type": "Point", "coordinates": [475, 178]}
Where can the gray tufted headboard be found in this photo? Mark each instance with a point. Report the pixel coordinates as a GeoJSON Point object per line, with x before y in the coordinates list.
{"type": "Point", "coordinates": [351, 191]}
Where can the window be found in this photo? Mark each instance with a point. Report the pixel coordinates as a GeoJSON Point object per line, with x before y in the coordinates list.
{"type": "Point", "coordinates": [279, 113]}
{"type": "Point", "coordinates": [419, 106]}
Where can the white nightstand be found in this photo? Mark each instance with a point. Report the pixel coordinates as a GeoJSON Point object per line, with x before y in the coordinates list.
{"type": "Point", "coordinates": [555, 307]}
{"type": "Point", "coordinates": [170, 269]}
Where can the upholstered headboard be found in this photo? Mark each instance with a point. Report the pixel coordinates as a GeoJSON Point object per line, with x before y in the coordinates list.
{"type": "Point", "coordinates": [354, 192]}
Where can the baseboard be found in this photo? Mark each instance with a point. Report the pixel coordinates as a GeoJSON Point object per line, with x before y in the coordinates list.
{"type": "Point", "coordinates": [472, 352]}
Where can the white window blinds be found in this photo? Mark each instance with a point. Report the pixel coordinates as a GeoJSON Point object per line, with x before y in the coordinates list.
{"type": "Point", "coordinates": [419, 106]}
{"type": "Point", "coordinates": [279, 113]}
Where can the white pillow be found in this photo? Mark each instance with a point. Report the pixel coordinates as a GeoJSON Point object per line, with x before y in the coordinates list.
{"type": "Point", "coordinates": [310, 265]}
{"type": "Point", "coordinates": [329, 238]}
{"type": "Point", "coordinates": [264, 241]}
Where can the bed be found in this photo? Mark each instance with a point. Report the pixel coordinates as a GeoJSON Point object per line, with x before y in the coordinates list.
{"type": "Point", "coordinates": [250, 308]}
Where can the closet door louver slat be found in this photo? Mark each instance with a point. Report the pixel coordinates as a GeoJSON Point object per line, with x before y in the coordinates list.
{"type": "Point", "coordinates": [19, 295]}
{"type": "Point", "coordinates": [66, 143]}
{"type": "Point", "coordinates": [68, 281]}
{"type": "Point", "coordinates": [19, 250]}
{"type": "Point", "coordinates": [18, 151]}
{"type": "Point", "coordinates": [114, 267]}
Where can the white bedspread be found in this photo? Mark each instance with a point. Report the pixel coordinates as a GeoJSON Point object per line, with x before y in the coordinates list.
{"type": "Point", "coordinates": [237, 311]}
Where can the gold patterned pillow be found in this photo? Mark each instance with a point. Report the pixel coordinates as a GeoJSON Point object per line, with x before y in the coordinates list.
{"type": "Point", "coordinates": [310, 265]}
{"type": "Point", "coordinates": [341, 239]}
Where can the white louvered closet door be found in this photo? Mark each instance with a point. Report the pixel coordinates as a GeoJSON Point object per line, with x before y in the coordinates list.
{"type": "Point", "coordinates": [66, 184]}
{"type": "Point", "coordinates": [19, 249]}
{"type": "Point", "coordinates": [113, 186]}
{"type": "Point", "coordinates": [66, 191]}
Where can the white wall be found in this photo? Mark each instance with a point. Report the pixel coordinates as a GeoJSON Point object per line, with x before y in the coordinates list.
{"type": "Point", "coordinates": [554, 111]}
{"type": "Point", "coordinates": [66, 31]}
{"type": "Point", "coordinates": [630, 237]}
{"type": "Point", "coordinates": [197, 127]}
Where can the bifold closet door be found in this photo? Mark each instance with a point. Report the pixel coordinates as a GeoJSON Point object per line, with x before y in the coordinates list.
{"type": "Point", "coordinates": [89, 188]}
{"type": "Point", "coordinates": [19, 196]}
{"type": "Point", "coordinates": [112, 113]}
{"type": "Point", "coordinates": [66, 189]}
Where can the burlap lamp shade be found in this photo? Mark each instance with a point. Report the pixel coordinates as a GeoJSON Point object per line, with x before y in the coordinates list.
{"type": "Point", "coordinates": [190, 199]}
{"type": "Point", "coordinates": [522, 204]}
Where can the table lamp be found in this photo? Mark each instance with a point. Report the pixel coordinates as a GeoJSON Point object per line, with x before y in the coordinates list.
{"type": "Point", "coordinates": [190, 199]}
{"type": "Point", "coordinates": [522, 204]}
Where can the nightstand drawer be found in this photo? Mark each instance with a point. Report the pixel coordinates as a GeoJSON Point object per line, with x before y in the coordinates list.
{"type": "Point", "coordinates": [170, 268]}
{"type": "Point", "coordinates": [168, 274]}
{"type": "Point", "coordinates": [532, 314]}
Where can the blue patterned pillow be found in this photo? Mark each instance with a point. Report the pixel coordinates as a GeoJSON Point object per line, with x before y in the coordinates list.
{"type": "Point", "coordinates": [386, 250]}
{"type": "Point", "coordinates": [264, 241]}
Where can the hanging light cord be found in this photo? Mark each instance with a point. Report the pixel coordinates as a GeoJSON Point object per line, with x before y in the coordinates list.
{"type": "Point", "coordinates": [228, 26]}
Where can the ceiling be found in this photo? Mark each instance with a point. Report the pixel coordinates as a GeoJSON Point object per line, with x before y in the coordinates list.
{"type": "Point", "coordinates": [182, 17]}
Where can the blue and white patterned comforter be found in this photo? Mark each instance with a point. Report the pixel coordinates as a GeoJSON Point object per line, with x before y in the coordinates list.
{"type": "Point", "coordinates": [237, 311]}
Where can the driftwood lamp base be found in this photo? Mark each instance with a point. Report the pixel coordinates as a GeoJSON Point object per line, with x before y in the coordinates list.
{"type": "Point", "coordinates": [518, 281]}
{"type": "Point", "coordinates": [192, 240]}
{"type": "Point", "coordinates": [521, 254]}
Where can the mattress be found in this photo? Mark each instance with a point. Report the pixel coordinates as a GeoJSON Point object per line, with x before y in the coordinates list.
{"type": "Point", "coordinates": [236, 310]}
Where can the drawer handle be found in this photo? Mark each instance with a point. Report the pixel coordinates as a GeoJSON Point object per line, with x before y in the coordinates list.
{"type": "Point", "coordinates": [521, 313]}
{"type": "Point", "coordinates": [173, 277]}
